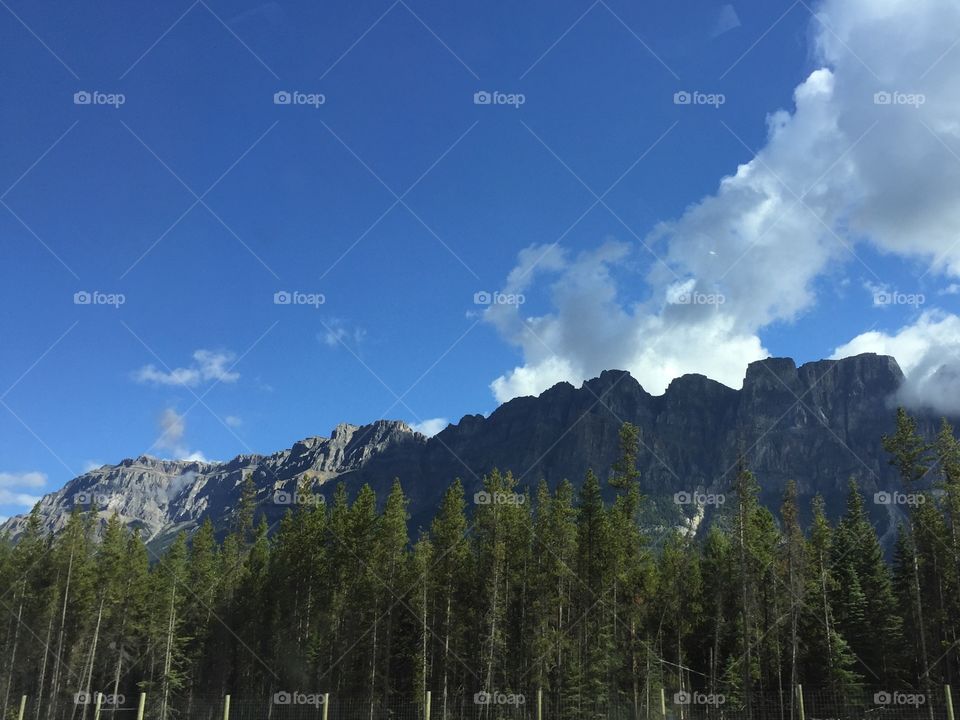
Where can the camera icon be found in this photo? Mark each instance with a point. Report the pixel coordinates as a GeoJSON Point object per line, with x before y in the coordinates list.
{"type": "Point", "coordinates": [482, 298]}
{"type": "Point", "coordinates": [282, 97]}
{"type": "Point", "coordinates": [82, 97]}
{"type": "Point", "coordinates": [882, 698]}
{"type": "Point", "coordinates": [282, 497]}
{"type": "Point", "coordinates": [481, 698]}
{"type": "Point", "coordinates": [82, 298]}
{"type": "Point", "coordinates": [682, 498]}
{"type": "Point", "coordinates": [83, 498]}
{"type": "Point", "coordinates": [882, 498]}
{"type": "Point", "coordinates": [282, 698]}
{"type": "Point", "coordinates": [482, 498]}
{"type": "Point", "coordinates": [882, 298]}
{"type": "Point", "coordinates": [82, 698]}
{"type": "Point", "coordinates": [681, 698]}
{"type": "Point", "coordinates": [682, 98]}
{"type": "Point", "coordinates": [482, 97]}
{"type": "Point", "coordinates": [282, 298]}
{"type": "Point", "coordinates": [882, 98]}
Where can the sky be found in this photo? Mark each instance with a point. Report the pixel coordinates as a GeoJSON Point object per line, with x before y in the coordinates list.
{"type": "Point", "coordinates": [226, 226]}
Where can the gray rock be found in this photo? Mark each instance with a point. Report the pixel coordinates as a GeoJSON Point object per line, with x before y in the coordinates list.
{"type": "Point", "coordinates": [818, 424]}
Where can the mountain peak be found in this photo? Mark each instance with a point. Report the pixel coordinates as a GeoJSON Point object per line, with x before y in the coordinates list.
{"type": "Point", "coordinates": [691, 435]}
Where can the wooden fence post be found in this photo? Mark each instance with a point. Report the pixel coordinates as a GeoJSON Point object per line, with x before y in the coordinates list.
{"type": "Point", "coordinates": [97, 705]}
{"type": "Point", "coordinates": [800, 701]}
{"type": "Point", "coordinates": [326, 705]}
{"type": "Point", "coordinates": [540, 704]}
{"type": "Point", "coordinates": [663, 703]}
{"type": "Point", "coordinates": [948, 697]}
{"type": "Point", "coordinates": [426, 707]}
{"type": "Point", "coordinates": [142, 706]}
{"type": "Point", "coordinates": [226, 707]}
{"type": "Point", "coordinates": [23, 707]}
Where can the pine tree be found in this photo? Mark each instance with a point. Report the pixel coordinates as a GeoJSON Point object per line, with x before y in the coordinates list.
{"type": "Point", "coordinates": [827, 659]}
{"type": "Point", "coordinates": [910, 454]}
{"type": "Point", "coordinates": [866, 614]}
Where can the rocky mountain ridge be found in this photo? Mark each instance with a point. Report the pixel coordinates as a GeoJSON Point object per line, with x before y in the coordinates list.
{"type": "Point", "coordinates": [818, 424]}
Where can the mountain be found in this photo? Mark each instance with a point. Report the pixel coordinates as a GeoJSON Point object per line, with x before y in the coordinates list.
{"type": "Point", "coordinates": [818, 424]}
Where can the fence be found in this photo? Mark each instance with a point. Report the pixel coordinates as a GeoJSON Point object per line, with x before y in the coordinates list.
{"type": "Point", "coordinates": [682, 705]}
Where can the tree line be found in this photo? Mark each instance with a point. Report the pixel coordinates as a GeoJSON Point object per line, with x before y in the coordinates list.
{"type": "Point", "coordinates": [558, 591]}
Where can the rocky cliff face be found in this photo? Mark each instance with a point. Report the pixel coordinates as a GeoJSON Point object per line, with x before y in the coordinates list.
{"type": "Point", "coordinates": [818, 424]}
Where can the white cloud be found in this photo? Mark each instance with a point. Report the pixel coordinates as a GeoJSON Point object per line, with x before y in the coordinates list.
{"type": "Point", "coordinates": [430, 427]}
{"type": "Point", "coordinates": [8, 497]}
{"type": "Point", "coordinates": [207, 365]}
{"type": "Point", "coordinates": [836, 170]}
{"type": "Point", "coordinates": [173, 427]}
{"type": "Point", "coordinates": [592, 330]}
{"type": "Point", "coordinates": [338, 333]}
{"type": "Point", "coordinates": [928, 352]}
{"type": "Point", "coordinates": [233, 421]}
{"type": "Point", "coordinates": [22, 480]}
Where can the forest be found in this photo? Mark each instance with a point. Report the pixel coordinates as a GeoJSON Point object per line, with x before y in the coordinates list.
{"type": "Point", "coordinates": [505, 598]}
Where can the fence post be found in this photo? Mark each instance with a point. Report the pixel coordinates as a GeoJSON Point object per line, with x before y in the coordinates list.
{"type": "Point", "coordinates": [23, 707]}
{"type": "Point", "coordinates": [540, 704]}
{"type": "Point", "coordinates": [142, 706]}
{"type": "Point", "coordinates": [426, 707]}
{"type": "Point", "coordinates": [226, 707]}
{"type": "Point", "coordinates": [96, 707]}
{"type": "Point", "coordinates": [663, 703]}
{"type": "Point", "coordinates": [326, 705]}
{"type": "Point", "coordinates": [802, 715]}
{"type": "Point", "coordinates": [949, 699]}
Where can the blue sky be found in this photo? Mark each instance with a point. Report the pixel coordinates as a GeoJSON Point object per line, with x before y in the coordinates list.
{"type": "Point", "coordinates": [399, 197]}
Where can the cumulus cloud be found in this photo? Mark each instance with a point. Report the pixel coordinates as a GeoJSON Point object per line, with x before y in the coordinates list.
{"type": "Point", "coordinates": [592, 329]}
{"type": "Point", "coordinates": [22, 480]}
{"type": "Point", "coordinates": [13, 487]}
{"type": "Point", "coordinates": [173, 428]}
{"type": "Point", "coordinates": [928, 351]}
{"type": "Point", "coordinates": [430, 427]}
{"type": "Point", "coordinates": [9, 497]}
{"type": "Point", "coordinates": [868, 153]}
{"type": "Point", "coordinates": [207, 365]}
